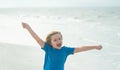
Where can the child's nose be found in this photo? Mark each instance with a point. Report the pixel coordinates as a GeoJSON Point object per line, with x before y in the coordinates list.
{"type": "Point", "coordinates": [58, 41]}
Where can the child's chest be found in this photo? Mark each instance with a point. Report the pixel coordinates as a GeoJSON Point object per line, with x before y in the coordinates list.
{"type": "Point", "coordinates": [58, 56]}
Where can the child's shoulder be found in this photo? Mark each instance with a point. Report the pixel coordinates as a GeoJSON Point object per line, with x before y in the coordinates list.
{"type": "Point", "coordinates": [67, 47]}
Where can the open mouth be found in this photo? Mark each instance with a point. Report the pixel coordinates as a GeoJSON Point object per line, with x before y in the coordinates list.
{"type": "Point", "coordinates": [59, 45]}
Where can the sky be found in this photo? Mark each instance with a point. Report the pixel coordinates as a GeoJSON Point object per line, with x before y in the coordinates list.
{"type": "Point", "coordinates": [58, 3]}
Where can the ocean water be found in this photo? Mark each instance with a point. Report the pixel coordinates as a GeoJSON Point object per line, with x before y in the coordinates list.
{"type": "Point", "coordinates": [79, 26]}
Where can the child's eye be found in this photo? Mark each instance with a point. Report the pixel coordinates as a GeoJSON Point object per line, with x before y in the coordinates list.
{"type": "Point", "coordinates": [55, 40]}
{"type": "Point", "coordinates": [59, 38]}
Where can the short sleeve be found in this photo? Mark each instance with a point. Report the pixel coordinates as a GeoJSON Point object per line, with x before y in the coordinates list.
{"type": "Point", "coordinates": [46, 47]}
{"type": "Point", "coordinates": [69, 50]}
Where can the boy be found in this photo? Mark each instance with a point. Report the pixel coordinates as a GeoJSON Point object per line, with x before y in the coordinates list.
{"type": "Point", "coordinates": [55, 53]}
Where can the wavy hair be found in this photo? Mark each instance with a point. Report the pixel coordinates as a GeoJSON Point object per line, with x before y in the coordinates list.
{"type": "Point", "coordinates": [48, 38]}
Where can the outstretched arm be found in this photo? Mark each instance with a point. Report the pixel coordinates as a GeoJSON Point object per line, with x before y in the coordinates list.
{"type": "Point", "coordinates": [33, 34]}
{"type": "Point", "coordinates": [86, 48]}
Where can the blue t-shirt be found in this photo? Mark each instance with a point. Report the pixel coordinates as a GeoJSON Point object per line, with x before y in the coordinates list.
{"type": "Point", "coordinates": [55, 58]}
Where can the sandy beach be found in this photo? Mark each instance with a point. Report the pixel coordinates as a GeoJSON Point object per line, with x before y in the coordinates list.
{"type": "Point", "coordinates": [21, 57]}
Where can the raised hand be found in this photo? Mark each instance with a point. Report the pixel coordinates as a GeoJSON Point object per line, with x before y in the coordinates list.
{"type": "Point", "coordinates": [25, 25]}
{"type": "Point", "coordinates": [99, 47]}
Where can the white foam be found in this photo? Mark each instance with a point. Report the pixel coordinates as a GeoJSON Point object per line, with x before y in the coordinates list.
{"type": "Point", "coordinates": [118, 34]}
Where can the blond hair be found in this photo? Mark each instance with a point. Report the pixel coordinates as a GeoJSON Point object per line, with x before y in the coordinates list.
{"type": "Point", "coordinates": [48, 38]}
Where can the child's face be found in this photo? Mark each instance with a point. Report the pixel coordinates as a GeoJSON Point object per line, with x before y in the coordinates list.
{"type": "Point", "coordinates": [56, 41]}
